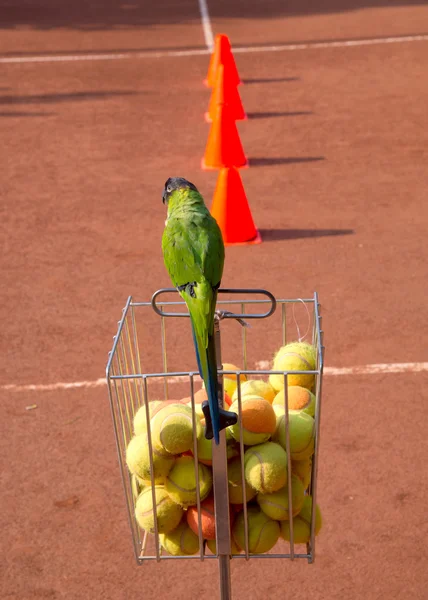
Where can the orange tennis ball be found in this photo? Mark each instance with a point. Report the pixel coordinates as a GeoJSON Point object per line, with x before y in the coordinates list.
{"type": "Point", "coordinates": [207, 519]}
{"type": "Point", "coordinates": [299, 398]}
{"type": "Point", "coordinates": [258, 420]}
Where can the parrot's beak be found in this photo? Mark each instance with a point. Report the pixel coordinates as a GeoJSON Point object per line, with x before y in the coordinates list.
{"type": "Point", "coordinates": [164, 196]}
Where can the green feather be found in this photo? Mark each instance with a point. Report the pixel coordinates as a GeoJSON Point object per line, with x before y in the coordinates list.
{"type": "Point", "coordinates": [193, 253]}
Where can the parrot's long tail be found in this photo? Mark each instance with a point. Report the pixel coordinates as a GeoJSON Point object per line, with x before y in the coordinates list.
{"type": "Point", "coordinates": [207, 364]}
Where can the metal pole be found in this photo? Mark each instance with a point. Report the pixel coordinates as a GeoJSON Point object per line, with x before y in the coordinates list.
{"type": "Point", "coordinates": [221, 490]}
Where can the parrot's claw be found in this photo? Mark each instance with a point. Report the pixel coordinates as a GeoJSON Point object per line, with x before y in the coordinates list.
{"type": "Point", "coordinates": [221, 314]}
{"type": "Point", "coordinates": [226, 418]}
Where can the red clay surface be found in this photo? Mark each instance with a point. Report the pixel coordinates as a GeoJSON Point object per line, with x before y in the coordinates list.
{"type": "Point", "coordinates": [338, 143]}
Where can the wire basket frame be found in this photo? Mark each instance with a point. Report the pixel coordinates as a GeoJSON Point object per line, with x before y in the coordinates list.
{"type": "Point", "coordinates": [141, 368]}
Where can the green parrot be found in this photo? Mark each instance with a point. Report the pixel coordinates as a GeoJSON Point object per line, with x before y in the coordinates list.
{"type": "Point", "coordinates": [193, 253]}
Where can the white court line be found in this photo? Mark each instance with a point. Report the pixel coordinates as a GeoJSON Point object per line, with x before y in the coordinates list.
{"type": "Point", "coordinates": [374, 369]}
{"type": "Point", "coordinates": [338, 44]}
{"type": "Point", "coordinates": [206, 25]}
{"type": "Point", "coordinates": [180, 53]}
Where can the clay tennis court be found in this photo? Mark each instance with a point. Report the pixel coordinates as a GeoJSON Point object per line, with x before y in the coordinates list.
{"type": "Point", "coordinates": [99, 104]}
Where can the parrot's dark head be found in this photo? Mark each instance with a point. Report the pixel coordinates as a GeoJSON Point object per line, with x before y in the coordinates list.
{"type": "Point", "coordinates": [173, 184]}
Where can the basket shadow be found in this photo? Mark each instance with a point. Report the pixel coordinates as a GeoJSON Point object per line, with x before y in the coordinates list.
{"type": "Point", "coordinates": [274, 235]}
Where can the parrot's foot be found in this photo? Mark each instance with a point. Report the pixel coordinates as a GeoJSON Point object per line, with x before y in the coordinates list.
{"type": "Point", "coordinates": [221, 314]}
{"type": "Point", "coordinates": [226, 418]}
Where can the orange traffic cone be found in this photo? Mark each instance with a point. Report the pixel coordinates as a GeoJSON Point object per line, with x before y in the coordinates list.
{"type": "Point", "coordinates": [231, 210]}
{"type": "Point", "coordinates": [222, 55]}
{"type": "Point", "coordinates": [225, 92]}
{"type": "Point", "coordinates": [224, 148]}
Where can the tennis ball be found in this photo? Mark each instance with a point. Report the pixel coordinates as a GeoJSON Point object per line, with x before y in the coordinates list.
{"type": "Point", "coordinates": [201, 396]}
{"type": "Point", "coordinates": [256, 387]}
{"type": "Point", "coordinates": [172, 428]}
{"type": "Point", "coordinates": [168, 513]}
{"type": "Point", "coordinates": [299, 398]}
{"type": "Point", "coordinates": [212, 545]}
{"type": "Point", "coordinates": [180, 541]}
{"type": "Point", "coordinates": [181, 481]}
{"type": "Point", "coordinates": [275, 505]}
{"type": "Point", "coordinates": [137, 486]}
{"type": "Point", "coordinates": [207, 519]}
{"type": "Point", "coordinates": [258, 420]}
{"type": "Point", "coordinates": [302, 523]}
{"type": "Point", "coordinates": [140, 420]}
{"type": "Point", "coordinates": [230, 381]}
{"type": "Point", "coordinates": [303, 469]}
{"type": "Point", "coordinates": [301, 431]}
{"type": "Point", "coordinates": [205, 449]}
{"type": "Point", "coordinates": [235, 483]}
{"type": "Point", "coordinates": [297, 356]}
{"type": "Point", "coordinates": [263, 532]}
{"type": "Point", "coordinates": [138, 460]}
{"type": "Point", "coordinates": [279, 410]}
{"type": "Point", "coordinates": [266, 467]}
{"type": "Point", "coordinates": [232, 446]}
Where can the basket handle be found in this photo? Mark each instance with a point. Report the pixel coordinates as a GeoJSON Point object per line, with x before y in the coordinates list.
{"type": "Point", "coordinates": [225, 314]}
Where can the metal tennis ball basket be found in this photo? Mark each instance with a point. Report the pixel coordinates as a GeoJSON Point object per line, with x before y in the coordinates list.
{"type": "Point", "coordinates": [149, 361]}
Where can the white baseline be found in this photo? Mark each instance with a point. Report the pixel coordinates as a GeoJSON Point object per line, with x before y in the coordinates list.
{"type": "Point", "coordinates": [183, 53]}
{"type": "Point", "coordinates": [373, 369]}
{"type": "Point", "coordinates": [206, 25]}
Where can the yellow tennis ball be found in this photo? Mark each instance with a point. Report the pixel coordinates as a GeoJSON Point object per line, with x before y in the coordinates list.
{"type": "Point", "coordinates": [230, 381]}
{"type": "Point", "coordinates": [172, 428]}
{"type": "Point", "coordinates": [181, 541]}
{"type": "Point", "coordinates": [275, 505]}
{"type": "Point", "coordinates": [137, 486]}
{"type": "Point", "coordinates": [297, 356]}
{"type": "Point", "coordinates": [140, 418]}
{"type": "Point", "coordinates": [199, 397]}
{"type": "Point", "coordinates": [299, 398]}
{"type": "Point", "coordinates": [168, 513]}
{"type": "Point", "coordinates": [212, 546]}
{"type": "Point", "coordinates": [205, 451]}
{"type": "Point", "coordinates": [263, 532]}
{"type": "Point", "coordinates": [138, 460]}
{"type": "Point", "coordinates": [302, 523]}
{"type": "Point", "coordinates": [181, 481]}
{"type": "Point", "coordinates": [303, 470]}
{"type": "Point", "coordinates": [301, 431]}
{"type": "Point", "coordinates": [266, 467]}
{"type": "Point", "coordinates": [279, 410]}
{"type": "Point", "coordinates": [258, 420]}
{"type": "Point", "coordinates": [235, 483]}
{"type": "Point", "coordinates": [256, 387]}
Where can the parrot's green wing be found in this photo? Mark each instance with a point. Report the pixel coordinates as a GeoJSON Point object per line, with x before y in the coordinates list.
{"type": "Point", "coordinates": [193, 250]}
{"type": "Point", "coordinates": [193, 253]}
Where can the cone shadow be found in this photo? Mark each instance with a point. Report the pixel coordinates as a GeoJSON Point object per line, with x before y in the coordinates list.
{"type": "Point", "coordinates": [268, 115]}
{"type": "Point", "coordinates": [268, 162]}
{"type": "Point", "coordinates": [270, 80]}
{"type": "Point", "coordinates": [26, 114]}
{"type": "Point", "coordinates": [274, 235]}
{"type": "Point", "coordinates": [64, 97]}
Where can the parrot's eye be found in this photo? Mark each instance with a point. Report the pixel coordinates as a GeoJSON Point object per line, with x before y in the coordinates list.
{"type": "Point", "coordinates": [169, 189]}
